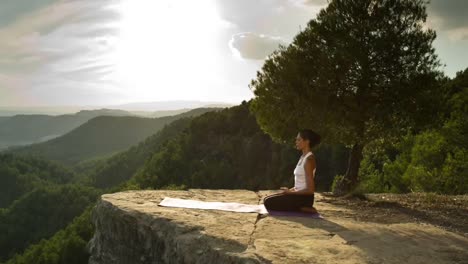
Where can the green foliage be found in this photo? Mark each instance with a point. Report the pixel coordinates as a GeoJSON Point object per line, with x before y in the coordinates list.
{"type": "Point", "coordinates": [430, 164]}
{"type": "Point", "coordinates": [435, 160]}
{"type": "Point", "coordinates": [426, 162]}
{"type": "Point", "coordinates": [39, 214]}
{"type": "Point", "coordinates": [427, 157]}
{"type": "Point", "coordinates": [371, 179]}
{"type": "Point", "coordinates": [68, 246]}
{"type": "Point", "coordinates": [336, 180]}
{"type": "Point", "coordinates": [19, 175]}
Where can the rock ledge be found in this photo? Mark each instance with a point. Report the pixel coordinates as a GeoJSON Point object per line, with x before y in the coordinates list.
{"type": "Point", "coordinates": [132, 228]}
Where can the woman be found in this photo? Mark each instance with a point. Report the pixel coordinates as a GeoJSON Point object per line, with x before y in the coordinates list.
{"type": "Point", "coordinates": [301, 196]}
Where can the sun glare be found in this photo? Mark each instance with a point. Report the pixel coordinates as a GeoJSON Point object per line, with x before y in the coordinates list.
{"type": "Point", "coordinates": [165, 46]}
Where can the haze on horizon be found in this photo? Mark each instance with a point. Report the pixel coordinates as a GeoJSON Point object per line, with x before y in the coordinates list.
{"type": "Point", "coordinates": [110, 52]}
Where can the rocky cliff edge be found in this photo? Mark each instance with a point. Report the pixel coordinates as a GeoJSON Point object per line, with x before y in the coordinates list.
{"type": "Point", "coordinates": [132, 228]}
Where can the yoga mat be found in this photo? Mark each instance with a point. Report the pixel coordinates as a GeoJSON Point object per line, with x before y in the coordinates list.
{"type": "Point", "coordinates": [233, 207]}
{"type": "Point", "coordinates": [291, 213]}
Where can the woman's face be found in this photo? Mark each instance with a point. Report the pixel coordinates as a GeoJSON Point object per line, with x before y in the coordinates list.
{"type": "Point", "coordinates": [300, 142]}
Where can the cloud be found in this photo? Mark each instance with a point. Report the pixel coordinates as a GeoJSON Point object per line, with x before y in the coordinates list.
{"type": "Point", "coordinates": [449, 17]}
{"type": "Point", "coordinates": [273, 17]}
{"type": "Point", "coordinates": [11, 8]}
{"type": "Point", "coordinates": [320, 3]}
{"type": "Point", "coordinates": [65, 44]}
{"type": "Point", "coordinates": [268, 23]}
{"type": "Point", "coordinates": [20, 37]}
{"type": "Point", "coordinates": [457, 34]}
{"type": "Point", "coordinates": [448, 14]}
{"type": "Point", "coordinates": [52, 31]}
{"type": "Point", "coordinates": [253, 46]}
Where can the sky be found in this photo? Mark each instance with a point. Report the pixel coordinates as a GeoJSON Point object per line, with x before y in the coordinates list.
{"type": "Point", "coordinates": [109, 52]}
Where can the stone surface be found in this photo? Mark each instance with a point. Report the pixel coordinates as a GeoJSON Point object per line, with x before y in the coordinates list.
{"type": "Point", "coordinates": [132, 228]}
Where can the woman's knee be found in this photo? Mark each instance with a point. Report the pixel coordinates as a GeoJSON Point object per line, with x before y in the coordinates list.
{"type": "Point", "coordinates": [267, 201]}
{"type": "Point", "coordinates": [274, 201]}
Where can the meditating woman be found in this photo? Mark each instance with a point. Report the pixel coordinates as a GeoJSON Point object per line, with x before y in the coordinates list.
{"type": "Point", "coordinates": [301, 196]}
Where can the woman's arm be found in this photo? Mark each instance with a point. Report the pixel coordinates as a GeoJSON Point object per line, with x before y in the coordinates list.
{"type": "Point", "coordinates": [309, 170]}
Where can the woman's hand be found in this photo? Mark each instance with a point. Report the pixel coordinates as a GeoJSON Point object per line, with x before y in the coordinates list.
{"type": "Point", "coordinates": [287, 190]}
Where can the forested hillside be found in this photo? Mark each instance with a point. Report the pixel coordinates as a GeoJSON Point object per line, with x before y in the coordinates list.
{"type": "Point", "coordinates": [101, 136]}
{"type": "Point", "coordinates": [227, 149]}
{"type": "Point", "coordinates": [20, 175]}
{"type": "Point", "coordinates": [122, 166]}
{"type": "Point", "coordinates": [28, 129]}
{"type": "Point", "coordinates": [39, 214]}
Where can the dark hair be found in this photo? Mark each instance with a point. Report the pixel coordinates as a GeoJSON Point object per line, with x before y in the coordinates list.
{"type": "Point", "coordinates": [314, 138]}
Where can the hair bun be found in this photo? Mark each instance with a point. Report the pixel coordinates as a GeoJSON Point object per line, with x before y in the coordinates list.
{"type": "Point", "coordinates": [308, 134]}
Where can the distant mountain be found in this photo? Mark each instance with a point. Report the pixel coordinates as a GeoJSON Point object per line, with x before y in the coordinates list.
{"type": "Point", "coordinates": [101, 136]}
{"type": "Point", "coordinates": [143, 108]}
{"type": "Point", "coordinates": [104, 112]}
{"type": "Point", "coordinates": [160, 113]}
{"type": "Point", "coordinates": [29, 129]}
{"type": "Point", "coordinates": [169, 105]}
{"type": "Point", "coordinates": [4, 118]}
{"type": "Point", "coordinates": [41, 110]}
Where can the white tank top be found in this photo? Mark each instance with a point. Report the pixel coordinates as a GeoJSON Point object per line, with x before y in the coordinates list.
{"type": "Point", "coordinates": [299, 173]}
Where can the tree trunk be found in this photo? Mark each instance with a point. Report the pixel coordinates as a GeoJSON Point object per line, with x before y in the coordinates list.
{"type": "Point", "coordinates": [350, 179]}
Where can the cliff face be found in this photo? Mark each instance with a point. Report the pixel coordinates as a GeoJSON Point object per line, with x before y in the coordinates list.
{"type": "Point", "coordinates": [132, 228]}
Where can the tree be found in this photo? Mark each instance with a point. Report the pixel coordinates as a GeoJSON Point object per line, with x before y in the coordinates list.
{"type": "Point", "coordinates": [363, 70]}
{"type": "Point", "coordinates": [436, 160]}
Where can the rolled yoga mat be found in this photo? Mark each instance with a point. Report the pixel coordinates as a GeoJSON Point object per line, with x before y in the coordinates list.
{"type": "Point", "coordinates": [233, 207]}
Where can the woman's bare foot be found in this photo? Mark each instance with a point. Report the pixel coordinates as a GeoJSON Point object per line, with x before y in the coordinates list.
{"type": "Point", "coordinates": [310, 210]}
